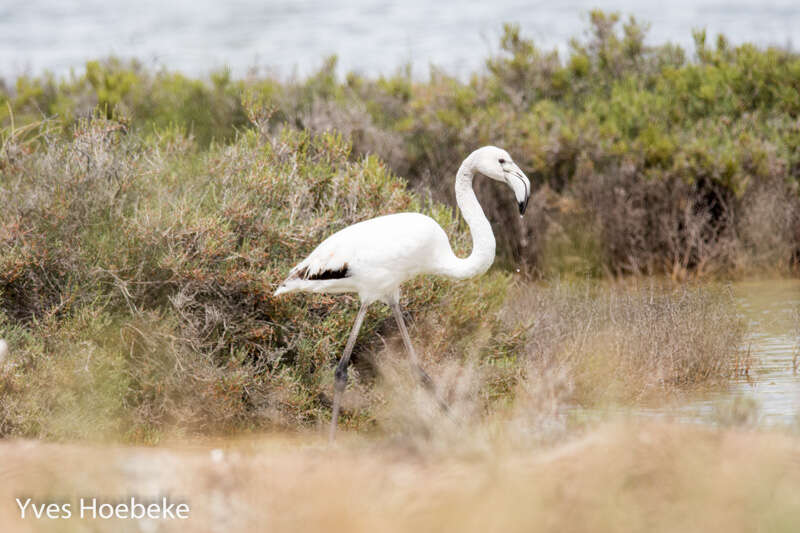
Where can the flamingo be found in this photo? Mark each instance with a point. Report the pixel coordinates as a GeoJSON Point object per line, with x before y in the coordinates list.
{"type": "Point", "coordinates": [374, 257]}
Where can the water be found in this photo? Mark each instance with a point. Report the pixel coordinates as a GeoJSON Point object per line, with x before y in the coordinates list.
{"type": "Point", "coordinates": [369, 36]}
{"type": "Point", "coordinates": [773, 385]}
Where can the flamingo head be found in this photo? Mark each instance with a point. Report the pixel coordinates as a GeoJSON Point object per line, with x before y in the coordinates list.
{"type": "Point", "coordinates": [495, 163]}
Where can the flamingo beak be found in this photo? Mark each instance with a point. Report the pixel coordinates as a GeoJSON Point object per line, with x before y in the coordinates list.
{"type": "Point", "coordinates": [521, 186]}
{"type": "Point", "coordinates": [523, 206]}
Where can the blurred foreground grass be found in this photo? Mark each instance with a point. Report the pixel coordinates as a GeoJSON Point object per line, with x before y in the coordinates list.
{"type": "Point", "coordinates": [614, 477]}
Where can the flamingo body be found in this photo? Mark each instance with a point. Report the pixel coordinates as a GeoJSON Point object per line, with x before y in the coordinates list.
{"type": "Point", "coordinates": [373, 257]}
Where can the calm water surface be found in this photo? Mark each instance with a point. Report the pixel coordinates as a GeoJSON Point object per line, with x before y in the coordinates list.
{"type": "Point", "coordinates": [370, 36]}
{"type": "Point", "coordinates": [771, 309]}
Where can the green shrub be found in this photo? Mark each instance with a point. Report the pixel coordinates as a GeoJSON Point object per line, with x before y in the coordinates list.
{"type": "Point", "coordinates": [723, 119]}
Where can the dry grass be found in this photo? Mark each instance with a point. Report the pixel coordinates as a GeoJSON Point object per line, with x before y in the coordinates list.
{"type": "Point", "coordinates": [769, 228]}
{"type": "Point", "coordinates": [660, 226]}
{"type": "Point", "coordinates": [558, 348]}
{"type": "Point", "coordinates": [618, 477]}
{"type": "Point", "coordinates": [628, 341]}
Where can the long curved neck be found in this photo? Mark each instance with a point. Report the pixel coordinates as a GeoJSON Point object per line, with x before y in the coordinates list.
{"type": "Point", "coordinates": [483, 243]}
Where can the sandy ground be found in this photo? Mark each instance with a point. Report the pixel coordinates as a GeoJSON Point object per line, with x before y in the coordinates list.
{"type": "Point", "coordinates": [619, 477]}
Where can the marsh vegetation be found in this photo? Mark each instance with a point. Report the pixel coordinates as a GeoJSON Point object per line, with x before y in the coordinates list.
{"type": "Point", "coordinates": [147, 218]}
{"type": "Point", "coordinates": [138, 280]}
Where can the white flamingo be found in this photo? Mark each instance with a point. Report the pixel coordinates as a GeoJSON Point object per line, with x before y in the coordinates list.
{"type": "Point", "coordinates": [374, 257]}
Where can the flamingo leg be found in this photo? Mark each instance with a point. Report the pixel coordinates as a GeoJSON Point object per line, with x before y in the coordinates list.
{"type": "Point", "coordinates": [424, 378]}
{"type": "Point", "coordinates": [341, 369]}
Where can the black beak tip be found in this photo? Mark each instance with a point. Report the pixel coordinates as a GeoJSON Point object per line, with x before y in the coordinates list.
{"type": "Point", "coordinates": [523, 206]}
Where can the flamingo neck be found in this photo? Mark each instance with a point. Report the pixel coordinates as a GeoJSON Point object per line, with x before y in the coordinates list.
{"type": "Point", "coordinates": [483, 243]}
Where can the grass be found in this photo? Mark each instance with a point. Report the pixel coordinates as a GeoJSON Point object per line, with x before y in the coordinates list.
{"type": "Point", "coordinates": [619, 476]}
{"type": "Point", "coordinates": [622, 343]}
{"type": "Point", "coordinates": [560, 349]}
